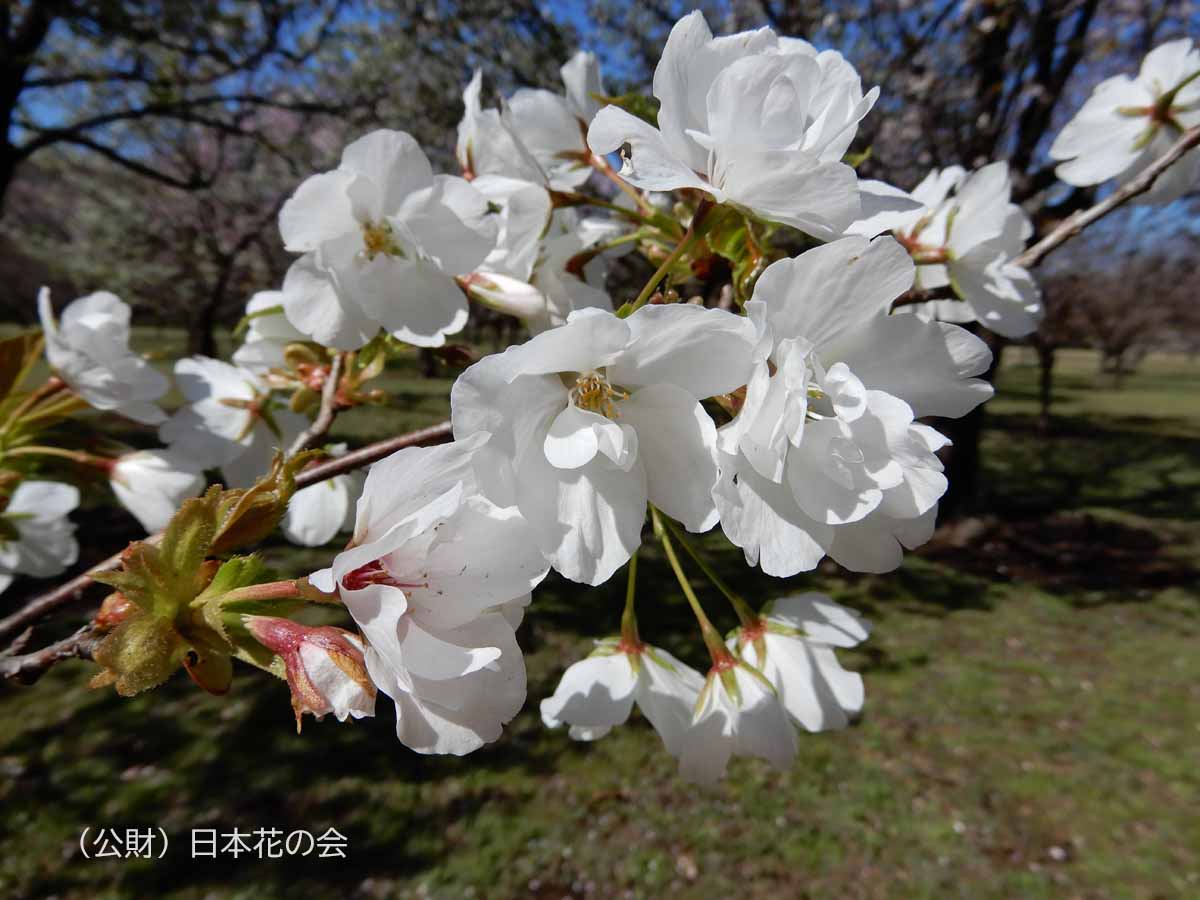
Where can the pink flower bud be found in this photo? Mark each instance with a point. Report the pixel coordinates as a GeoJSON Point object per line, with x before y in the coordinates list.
{"type": "Point", "coordinates": [325, 667]}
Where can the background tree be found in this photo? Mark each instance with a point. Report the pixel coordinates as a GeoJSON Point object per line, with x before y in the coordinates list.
{"type": "Point", "coordinates": [124, 80]}
{"type": "Point", "coordinates": [300, 81]}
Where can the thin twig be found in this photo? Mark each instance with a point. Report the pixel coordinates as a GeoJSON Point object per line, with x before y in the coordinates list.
{"type": "Point", "coordinates": [1070, 227]}
{"type": "Point", "coordinates": [364, 456]}
{"type": "Point", "coordinates": [917, 295]}
{"type": "Point", "coordinates": [72, 590]}
{"type": "Point", "coordinates": [27, 668]}
{"type": "Point", "coordinates": [327, 413]}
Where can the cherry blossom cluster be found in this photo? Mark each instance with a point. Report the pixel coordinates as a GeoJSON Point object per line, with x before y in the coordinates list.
{"type": "Point", "coordinates": [791, 416]}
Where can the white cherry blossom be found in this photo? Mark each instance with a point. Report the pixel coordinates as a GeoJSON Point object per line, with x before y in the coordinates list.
{"type": "Point", "coordinates": [825, 456]}
{"type": "Point", "coordinates": [36, 537]}
{"type": "Point", "coordinates": [592, 419]}
{"type": "Point", "coordinates": [598, 693]}
{"type": "Point", "coordinates": [1128, 123]}
{"type": "Point", "coordinates": [965, 233]}
{"type": "Point", "coordinates": [738, 714]}
{"type": "Point", "coordinates": [554, 128]}
{"type": "Point", "coordinates": [383, 239]}
{"type": "Point", "coordinates": [793, 645]}
{"type": "Point", "coordinates": [435, 576]}
{"type": "Point", "coordinates": [753, 120]}
{"type": "Point", "coordinates": [151, 484]}
{"type": "Point", "coordinates": [89, 350]}
{"type": "Point", "coordinates": [230, 420]}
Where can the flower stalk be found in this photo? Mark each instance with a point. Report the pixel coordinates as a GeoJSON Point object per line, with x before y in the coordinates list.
{"type": "Point", "coordinates": [629, 629]}
{"type": "Point", "coordinates": [721, 657]}
{"type": "Point", "coordinates": [685, 242]}
{"type": "Point", "coordinates": [745, 614]}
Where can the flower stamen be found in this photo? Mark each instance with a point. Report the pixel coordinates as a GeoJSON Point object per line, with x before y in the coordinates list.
{"type": "Point", "coordinates": [378, 237]}
{"type": "Point", "coordinates": [593, 393]}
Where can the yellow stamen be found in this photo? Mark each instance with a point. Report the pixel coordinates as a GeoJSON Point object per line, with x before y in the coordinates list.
{"type": "Point", "coordinates": [377, 238]}
{"type": "Point", "coordinates": [593, 393]}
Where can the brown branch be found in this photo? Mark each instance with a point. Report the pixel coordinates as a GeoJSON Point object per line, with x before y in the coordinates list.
{"type": "Point", "coordinates": [27, 668]}
{"type": "Point", "coordinates": [916, 295]}
{"type": "Point", "coordinates": [72, 590]}
{"type": "Point", "coordinates": [1070, 227]}
{"type": "Point", "coordinates": [328, 411]}
{"type": "Point", "coordinates": [364, 456]}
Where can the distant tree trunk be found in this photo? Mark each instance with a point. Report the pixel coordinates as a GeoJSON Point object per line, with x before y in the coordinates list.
{"type": "Point", "coordinates": [8, 167]}
{"type": "Point", "coordinates": [202, 337]}
{"type": "Point", "coordinates": [1045, 352]}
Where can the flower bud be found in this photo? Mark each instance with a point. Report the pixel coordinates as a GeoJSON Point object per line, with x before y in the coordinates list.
{"type": "Point", "coordinates": [324, 667]}
{"type": "Point", "coordinates": [504, 293]}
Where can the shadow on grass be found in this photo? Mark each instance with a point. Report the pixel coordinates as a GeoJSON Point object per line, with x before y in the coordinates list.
{"type": "Point", "coordinates": [1117, 463]}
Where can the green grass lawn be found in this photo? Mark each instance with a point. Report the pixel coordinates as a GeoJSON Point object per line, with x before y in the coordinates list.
{"type": "Point", "coordinates": [1032, 723]}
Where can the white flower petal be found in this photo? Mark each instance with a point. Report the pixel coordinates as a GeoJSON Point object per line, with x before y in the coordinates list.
{"type": "Point", "coordinates": [832, 290]}
{"type": "Point", "coordinates": [315, 306]}
{"type": "Point", "coordinates": [702, 351]}
{"type": "Point", "coordinates": [677, 446]}
{"type": "Point", "coordinates": [588, 521]}
{"type": "Point", "coordinates": [595, 693]}
{"type": "Point", "coordinates": [651, 163]}
{"type": "Point", "coordinates": [319, 211]}
{"type": "Point", "coordinates": [929, 365]}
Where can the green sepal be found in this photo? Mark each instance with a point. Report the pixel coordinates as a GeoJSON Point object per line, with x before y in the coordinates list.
{"type": "Point", "coordinates": [625, 310]}
{"type": "Point", "coordinates": [725, 231]}
{"type": "Point", "coordinates": [854, 160]}
{"type": "Point", "coordinates": [248, 516]}
{"type": "Point", "coordinates": [739, 239]}
{"type": "Point", "coordinates": [606, 646]}
{"type": "Point", "coordinates": [234, 573]}
{"type": "Point", "coordinates": [658, 658]}
{"type": "Point", "coordinates": [370, 362]}
{"type": "Point", "coordinates": [729, 682]}
{"type": "Point", "coordinates": [776, 627]}
{"type": "Point", "coordinates": [757, 674]}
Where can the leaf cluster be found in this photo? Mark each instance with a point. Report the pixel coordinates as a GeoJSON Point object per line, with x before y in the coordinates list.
{"type": "Point", "coordinates": [184, 605]}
